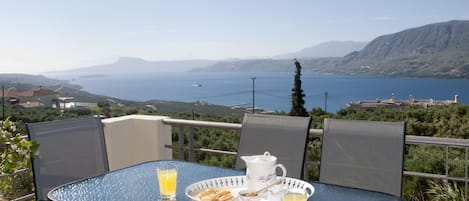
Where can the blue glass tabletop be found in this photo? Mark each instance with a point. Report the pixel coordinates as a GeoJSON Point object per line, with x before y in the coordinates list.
{"type": "Point", "coordinates": [140, 183]}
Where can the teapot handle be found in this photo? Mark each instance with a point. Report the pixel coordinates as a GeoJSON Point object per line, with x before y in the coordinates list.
{"type": "Point", "coordinates": [284, 170]}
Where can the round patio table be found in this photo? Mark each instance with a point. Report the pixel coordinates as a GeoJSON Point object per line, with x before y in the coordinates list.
{"type": "Point", "coordinates": [139, 182]}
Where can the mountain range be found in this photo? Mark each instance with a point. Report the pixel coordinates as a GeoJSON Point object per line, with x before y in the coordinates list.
{"type": "Point", "coordinates": [433, 50]}
{"type": "Point", "coordinates": [439, 50]}
{"type": "Point", "coordinates": [138, 65]}
{"type": "Point", "coordinates": [278, 63]}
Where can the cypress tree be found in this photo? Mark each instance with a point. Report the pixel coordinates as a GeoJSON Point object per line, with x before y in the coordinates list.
{"type": "Point", "coordinates": [298, 102]}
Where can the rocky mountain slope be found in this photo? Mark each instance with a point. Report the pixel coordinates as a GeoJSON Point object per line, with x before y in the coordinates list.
{"type": "Point", "coordinates": [326, 49]}
{"type": "Point", "coordinates": [270, 65]}
{"type": "Point", "coordinates": [434, 50]}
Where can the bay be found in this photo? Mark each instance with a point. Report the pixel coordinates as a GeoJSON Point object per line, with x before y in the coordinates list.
{"type": "Point", "coordinates": [272, 90]}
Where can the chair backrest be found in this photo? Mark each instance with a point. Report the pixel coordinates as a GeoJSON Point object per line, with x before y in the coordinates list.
{"type": "Point", "coordinates": [69, 150]}
{"type": "Point", "coordinates": [285, 137]}
{"type": "Point", "coordinates": [363, 154]}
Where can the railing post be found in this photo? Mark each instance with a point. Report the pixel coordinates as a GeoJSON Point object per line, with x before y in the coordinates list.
{"type": "Point", "coordinates": [191, 144]}
{"type": "Point", "coordinates": [181, 143]}
{"type": "Point", "coordinates": [446, 172]}
{"type": "Point", "coordinates": [465, 183]}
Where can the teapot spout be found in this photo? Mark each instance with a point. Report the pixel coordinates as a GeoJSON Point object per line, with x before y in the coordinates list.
{"type": "Point", "coordinates": [245, 158]}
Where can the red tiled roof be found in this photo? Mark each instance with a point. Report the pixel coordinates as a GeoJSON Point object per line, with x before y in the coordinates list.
{"type": "Point", "coordinates": [9, 93]}
{"type": "Point", "coordinates": [43, 92]}
{"type": "Point", "coordinates": [29, 93]}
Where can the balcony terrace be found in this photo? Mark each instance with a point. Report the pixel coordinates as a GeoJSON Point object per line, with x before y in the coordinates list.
{"type": "Point", "coordinates": [134, 139]}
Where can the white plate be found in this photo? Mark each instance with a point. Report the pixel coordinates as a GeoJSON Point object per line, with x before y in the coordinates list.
{"type": "Point", "coordinates": [238, 183]}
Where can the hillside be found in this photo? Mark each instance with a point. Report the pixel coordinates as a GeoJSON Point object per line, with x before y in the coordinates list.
{"type": "Point", "coordinates": [326, 49]}
{"type": "Point", "coordinates": [434, 50]}
{"type": "Point", "coordinates": [270, 65]}
{"type": "Point", "coordinates": [323, 55]}
{"type": "Point", "coordinates": [246, 65]}
{"type": "Point", "coordinates": [23, 82]}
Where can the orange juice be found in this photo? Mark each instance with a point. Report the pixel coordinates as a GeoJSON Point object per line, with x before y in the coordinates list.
{"type": "Point", "coordinates": [167, 180]}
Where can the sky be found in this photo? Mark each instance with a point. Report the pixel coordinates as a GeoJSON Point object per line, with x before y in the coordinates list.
{"type": "Point", "coordinates": [48, 35]}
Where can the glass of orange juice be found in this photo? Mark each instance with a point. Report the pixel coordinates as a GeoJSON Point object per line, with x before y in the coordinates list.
{"type": "Point", "coordinates": [167, 178]}
{"type": "Point", "coordinates": [295, 195]}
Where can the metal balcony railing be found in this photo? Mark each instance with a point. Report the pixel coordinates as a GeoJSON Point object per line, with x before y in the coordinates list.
{"type": "Point", "coordinates": [189, 148]}
{"type": "Point", "coordinates": [446, 143]}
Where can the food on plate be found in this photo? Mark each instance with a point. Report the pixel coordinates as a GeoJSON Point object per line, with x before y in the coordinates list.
{"type": "Point", "coordinates": [214, 194]}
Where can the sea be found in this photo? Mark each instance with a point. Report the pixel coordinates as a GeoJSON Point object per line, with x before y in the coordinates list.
{"type": "Point", "coordinates": [268, 90]}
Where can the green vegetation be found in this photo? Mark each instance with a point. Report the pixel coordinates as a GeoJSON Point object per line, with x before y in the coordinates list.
{"type": "Point", "coordinates": [437, 191]}
{"type": "Point", "coordinates": [15, 154]}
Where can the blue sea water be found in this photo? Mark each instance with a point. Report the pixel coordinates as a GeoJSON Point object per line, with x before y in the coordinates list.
{"type": "Point", "coordinates": [272, 89]}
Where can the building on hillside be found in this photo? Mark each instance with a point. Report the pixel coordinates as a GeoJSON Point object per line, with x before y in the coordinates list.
{"type": "Point", "coordinates": [393, 103]}
{"type": "Point", "coordinates": [69, 102]}
{"type": "Point", "coordinates": [41, 97]}
{"type": "Point", "coordinates": [11, 95]}
{"type": "Point", "coordinates": [65, 102]}
{"type": "Point", "coordinates": [32, 98]}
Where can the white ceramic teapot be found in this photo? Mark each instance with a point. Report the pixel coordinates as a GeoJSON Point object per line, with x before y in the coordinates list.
{"type": "Point", "coordinates": [260, 170]}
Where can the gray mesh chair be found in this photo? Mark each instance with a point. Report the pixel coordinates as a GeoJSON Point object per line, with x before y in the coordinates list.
{"type": "Point", "coordinates": [69, 150]}
{"type": "Point", "coordinates": [285, 137]}
{"type": "Point", "coordinates": [363, 154]}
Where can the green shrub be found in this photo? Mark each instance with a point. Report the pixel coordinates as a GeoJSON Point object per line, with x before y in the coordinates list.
{"type": "Point", "coordinates": [15, 154]}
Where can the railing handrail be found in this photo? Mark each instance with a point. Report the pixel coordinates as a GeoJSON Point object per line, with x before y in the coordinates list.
{"type": "Point", "coordinates": [437, 141]}
{"type": "Point", "coordinates": [204, 124]}
{"type": "Point", "coordinates": [410, 139]}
